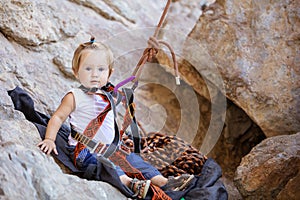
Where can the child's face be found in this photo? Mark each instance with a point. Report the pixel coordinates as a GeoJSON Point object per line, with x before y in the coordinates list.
{"type": "Point", "coordinates": [93, 69]}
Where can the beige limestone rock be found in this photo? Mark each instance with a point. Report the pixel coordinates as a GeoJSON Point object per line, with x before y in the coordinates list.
{"type": "Point", "coordinates": [27, 173]}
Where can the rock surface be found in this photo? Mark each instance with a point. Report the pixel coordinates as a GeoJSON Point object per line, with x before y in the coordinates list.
{"type": "Point", "coordinates": [271, 169]}
{"type": "Point", "coordinates": [255, 47]}
{"type": "Point", "coordinates": [28, 174]}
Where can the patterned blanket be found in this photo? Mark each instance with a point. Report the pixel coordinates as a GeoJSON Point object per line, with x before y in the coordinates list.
{"type": "Point", "coordinates": [169, 154]}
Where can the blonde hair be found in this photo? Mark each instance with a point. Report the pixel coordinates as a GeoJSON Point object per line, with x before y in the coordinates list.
{"type": "Point", "coordinates": [91, 45]}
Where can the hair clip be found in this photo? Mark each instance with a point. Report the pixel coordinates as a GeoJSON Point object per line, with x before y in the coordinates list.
{"type": "Point", "coordinates": [92, 40]}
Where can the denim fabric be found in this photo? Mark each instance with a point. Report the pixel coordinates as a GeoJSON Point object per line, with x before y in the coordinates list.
{"type": "Point", "coordinates": [85, 158]}
{"type": "Point", "coordinates": [120, 172]}
{"type": "Point", "coordinates": [147, 169]}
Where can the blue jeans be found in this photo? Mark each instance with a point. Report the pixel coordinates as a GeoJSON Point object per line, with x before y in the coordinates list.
{"type": "Point", "coordinates": [85, 158]}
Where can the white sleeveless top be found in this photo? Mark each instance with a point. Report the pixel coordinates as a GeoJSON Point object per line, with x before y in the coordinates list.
{"type": "Point", "coordinates": [88, 107]}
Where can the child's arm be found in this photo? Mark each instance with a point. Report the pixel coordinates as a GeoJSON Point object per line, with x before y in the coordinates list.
{"type": "Point", "coordinates": [60, 115]}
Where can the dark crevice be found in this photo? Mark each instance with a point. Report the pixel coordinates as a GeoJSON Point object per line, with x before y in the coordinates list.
{"type": "Point", "coordinates": [118, 11]}
{"type": "Point", "coordinates": [240, 134]}
{"type": "Point", "coordinates": [26, 44]}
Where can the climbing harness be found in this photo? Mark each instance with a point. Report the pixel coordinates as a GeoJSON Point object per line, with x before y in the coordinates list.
{"type": "Point", "coordinates": [85, 138]}
{"type": "Point", "coordinates": [104, 152]}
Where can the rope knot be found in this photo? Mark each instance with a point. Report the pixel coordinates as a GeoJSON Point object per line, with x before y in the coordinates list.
{"type": "Point", "coordinates": [151, 54]}
{"type": "Point", "coordinates": [152, 50]}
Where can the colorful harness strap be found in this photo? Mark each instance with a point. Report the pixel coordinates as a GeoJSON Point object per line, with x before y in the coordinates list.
{"type": "Point", "coordinates": [133, 125]}
{"type": "Point", "coordinates": [92, 128]}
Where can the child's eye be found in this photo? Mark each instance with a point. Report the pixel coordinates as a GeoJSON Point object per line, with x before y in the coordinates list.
{"type": "Point", "coordinates": [88, 68]}
{"type": "Point", "coordinates": [101, 69]}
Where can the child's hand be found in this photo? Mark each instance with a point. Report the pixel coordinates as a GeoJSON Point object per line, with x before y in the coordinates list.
{"type": "Point", "coordinates": [47, 146]}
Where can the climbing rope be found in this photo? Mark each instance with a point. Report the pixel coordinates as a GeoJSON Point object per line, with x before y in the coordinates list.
{"type": "Point", "coordinates": [151, 51]}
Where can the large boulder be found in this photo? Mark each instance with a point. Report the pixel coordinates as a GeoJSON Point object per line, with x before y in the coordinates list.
{"type": "Point", "coordinates": [271, 169]}
{"type": "Point", "coordinates": [255, 47]}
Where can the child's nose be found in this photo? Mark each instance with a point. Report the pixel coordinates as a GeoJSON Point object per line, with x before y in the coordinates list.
{"type": "Point", "coordinates": [95, 73]}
